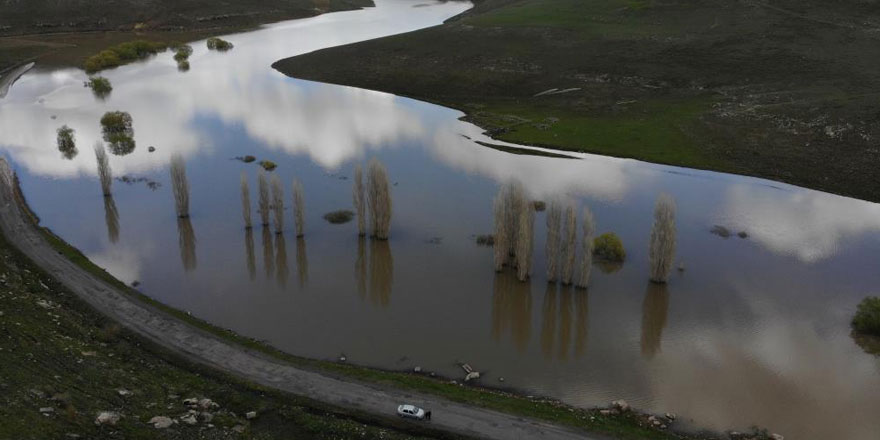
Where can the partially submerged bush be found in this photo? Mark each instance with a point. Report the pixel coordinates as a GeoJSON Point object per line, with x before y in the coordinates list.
{"type": "Point", "coordinates": [66, 142]}
{"type": "Point", "coordinates": [100, 86]}
{"type": "Point", "coordinates": [339, 217]}
{"type": "Point", "coordinates": [219, 44]}
{"type": "Point", "coordinates": [268, 165]}
{"type": "Point", "coordinates": [867, 318]}
{"type": "Point", "coordinates": [122, 54]}
{"type": "Point", "coordinates": [118, 132]}
{"type": "Point", "coordinates": [246, 159]}
{"type": "Point", "coordinates": [486, 240]}
{"type": "Point", "coordinates": [182, 52]}
{"type": "Point", "coordinates": [608, 247]}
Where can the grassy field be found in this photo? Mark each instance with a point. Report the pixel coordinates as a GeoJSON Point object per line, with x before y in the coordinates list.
{"type": "Point", "coordinates": [66, 33]}
{"type": "Point", "coordinates": [766, 88]}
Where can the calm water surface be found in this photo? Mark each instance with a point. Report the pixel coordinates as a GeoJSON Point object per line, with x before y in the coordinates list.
{"type": "Point", "coordinates": [753, 332]}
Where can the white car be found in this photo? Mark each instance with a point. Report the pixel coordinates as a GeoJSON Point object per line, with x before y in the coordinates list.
{"type": "Point", "coordinates": [410, 411]}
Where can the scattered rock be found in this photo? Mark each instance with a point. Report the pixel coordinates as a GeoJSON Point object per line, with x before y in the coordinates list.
{"type": "Point", "coordinates": [417, 369]}
{"type": "Point", "coordinates": [206, 416]}
{"type": "Point", "coordinates": [342, 358]}
{"type": "Point", "coordinates": [107, 418]}
{"type": "Point", "coordinates": [670, 416]}
{"type": "Point", "coordinates": [776, 437]}
{"type": "Point", "coordinates": [123, 392]}
{"type": "Point", "coordinates": [151, 149]}
{"type": "Point", "coordinates": [192, 401]}
{"type": "Point", "coordinates": [189, 419]}
{"type": "Point", "coordinates": [207, 404]}
{"type": "Point", "coordinates": [47, 410]}
{"type": "Point", "coordinates": [250, 415]}
{"type": "Point", "coordinates": [474, 375]}
{"type": "Point", "coordinates": [605, 412]}
{"type": "Point", "coordinates": [742, 234]}
{"type": "Point", "coordinates": [500, 379]}
{"type": "Point", "coordinates": [161, 422]}
{"type": "Point", "coordinates": [238, 428]}
{"type": "Point", "coordinates": [620, 405]}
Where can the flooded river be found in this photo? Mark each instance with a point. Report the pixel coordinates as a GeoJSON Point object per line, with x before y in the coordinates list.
{"type": "Point", "coordinates": [754, 331]}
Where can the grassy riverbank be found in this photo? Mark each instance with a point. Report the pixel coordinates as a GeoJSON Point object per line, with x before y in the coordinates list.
{"type": "Point", "coordinates": [66, 33]}
{"type": "Point", "coordinates": [778, 89]}
{"type": "Point", "coordinates": [63, 364]}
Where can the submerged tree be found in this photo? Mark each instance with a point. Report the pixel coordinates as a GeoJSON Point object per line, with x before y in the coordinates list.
{"type": "Point", "coordinates": [249, 253]}
{"type": "Point", "coordinates": [67, 142]}
{"type": "Point", "coordinates": [299, 208]}
{"type": "Point", "coordinates": [551, 248]}
{"type": "Point", "coordinates": [302, 262]}
{"type": "Point", "coordinates": [104, 173]}
{"type": "Point", "coordinates": [662, 248]}
{"type": "Point", "coordinates": [588, 229]}
{"type": "Point", "coordinates": [263, 206]}
{"type": "Point", "coordinates": [281, 260]}
{"type": "Point", "coordinates": [569, 239]}
{"type": "Point", "coordinates": [278, 203]}
{"type": "Point", "coordinates": [379, 200]}
{"type": "Point", "coordinates": [508, 207]}
{"type": "Point", "coordinates": [268, 252]}
{"type": "Point", "coordinates": [358, 196]}
{"type": "Point", "coordinates": [524, 239]}
{"type": "Point", "coordinates": [179, 185]}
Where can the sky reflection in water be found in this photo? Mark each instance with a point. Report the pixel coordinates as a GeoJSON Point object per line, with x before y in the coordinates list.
{"type": "Point", "coordinates": [755, 331]}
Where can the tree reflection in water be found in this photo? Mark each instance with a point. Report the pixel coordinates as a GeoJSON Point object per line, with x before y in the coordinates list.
{"type": "Point", "coordinates": [268, 252]}
{"type": "Point", "coordinates": [360, 267]}
{"type": "Point", "coordinates": [111, 216]}
{"type": "Point", "coordinates": [249, 253]}
{"type": "Point", "coordinates": [381, 272]}
{"type": "Point", "coordinates": [187, 242]}
{"type": "Point", "coordinates": [511, 309]}
{"type": "Point", "coordinates": [654, 310]}
{"type": "Point", "coordinates": [281, 260]}
{"type": "Point", "coordinates": [302, 262]}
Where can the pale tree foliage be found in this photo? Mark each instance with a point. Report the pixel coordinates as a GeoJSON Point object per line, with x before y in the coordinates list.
{"type": "Point", "coordinates": [661, 252]}
{"type": "Point", "coordinates": [245, 201]}
{"type": "Point", "coordinates": [379, 199]}
{"type": "Point", "coordinates": [278, 203]}
{"type": "Point", "coordinates": [299, 208]}
{"type": "Point", "coordinates": [524, 240]}
{"type": "Point", "coordinates": [358, 196]}
{"type": "Point", "coordinates": [500, 231]}
{"type": "Point", "coordinates": [263, 204]}
{"type": "Point", "coordinates": [588, 230]}
{"type": "Point", "coordinates": [569, 240]}
{"type": "Point", "coordinates": [551, 247]}
{"type": "Point", "coordinates": [179, 185]}
{"type": "Point", "coordinates": [104, 173]}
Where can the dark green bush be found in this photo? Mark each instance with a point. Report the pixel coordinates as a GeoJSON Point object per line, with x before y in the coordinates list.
{"type": "Point", "coordinates": [67, 142]}
{"type": "Point", "coordinates": [221, 45]}
{"type": "Point", "coordinates": [608, 247]}
{"type": "Point", "coordinates": [268, 165]}
{"type": "Point", "coordinates": [867, 318]}
{"type": "Point", "coordinates": [339, 217]}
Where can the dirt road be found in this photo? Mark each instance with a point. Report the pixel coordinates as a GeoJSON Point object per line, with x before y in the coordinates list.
{"type": "Point", "coordinates": [200, 346]}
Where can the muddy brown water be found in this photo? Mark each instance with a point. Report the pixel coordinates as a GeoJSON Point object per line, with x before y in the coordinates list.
{"type": "Point", "coordinates": [754, 331]}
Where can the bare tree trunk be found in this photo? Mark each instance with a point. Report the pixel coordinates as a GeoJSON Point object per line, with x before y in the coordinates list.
{"type": "Point", "coordinates": [179, 185]}
{"type": "Point", "coordinates": [569, 240]}
{"type": "Point", "coordinates": [524, 241]}
{"type": "Point", "coordinates": [551, 248]}
{"type": "Point", "coordinates": [379, 200]}
{"type": "Point", "coordinates": [359, 204]}
{"type": "Point", "coordinates": [662, 248]}
{"type": "Point", "coordinates": [299, 208]}
{"type": "Point", "coordinates": [245, 201]}
{"type": "Point", "coordinates": [278, 203]}
{"type": "Point", "coordinates": [263, 206]}
{"type": "Point", "coordinates": [588, 226]}
{"type": "Point", "coordinates": [104, 172]}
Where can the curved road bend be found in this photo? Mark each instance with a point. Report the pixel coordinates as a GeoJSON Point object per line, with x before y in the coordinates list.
{"type": "Point", "coordinates": [205, 348]}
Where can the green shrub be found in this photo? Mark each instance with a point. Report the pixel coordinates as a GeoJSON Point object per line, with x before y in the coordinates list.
{"type": "Point", "coordinates": [339, 217]}
{"type": "Point", "coordinates": [122, 54]}
{"type": "Point", "coordinates": [268, 165]}
{"type": "Point", "coordinates": [100, 86]}
{"type": "Point", "coordinates": [486, 240]}
{"type": "Point", "coordinates": [867, 318]}
{"type": "Point", "coordinates": [221, 45]}
{"type": "Point", "coordinates": [183, 66]}
{"type": "Point", "coordinates": [608, 247]}
{"type": "Point", "coordinates": [66, 142]}
{"type": "Point", "coordinates": [118, 132]}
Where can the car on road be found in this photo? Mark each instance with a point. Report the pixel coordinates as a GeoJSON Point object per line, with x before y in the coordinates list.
{"type": "Point", "coordinates": [411, 412]}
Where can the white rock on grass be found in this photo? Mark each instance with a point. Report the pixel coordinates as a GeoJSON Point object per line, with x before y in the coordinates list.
{"type": "Point", "coordinates": [189, 419]}
{"type": "Point", "coordinates": [251, 415]}
{"type": "Point", "coordinates": [620, 405]}
{"type": "Point", "coordinates": [161, 422]}
{"type": "Point", "coordinates": [107, 418]}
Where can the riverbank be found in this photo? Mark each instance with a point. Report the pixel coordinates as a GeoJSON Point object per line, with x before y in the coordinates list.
{"type": "Point", "coordinates": [465, 409]}
{"type": "Point", "coordinates": [770, 90]}
{"type": "Point", "coordinates": [58, 35]}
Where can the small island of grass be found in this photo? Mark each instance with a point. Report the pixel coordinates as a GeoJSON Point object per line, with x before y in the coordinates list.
{"type": "Point", "coordinates": [123, 53]}
{"type": "Point", "coordinates": [118, 132]}
{"type": "Point", "coordinates": [608, 247]}
{"type": "Point", "coordinates": [100, 86]}
{"type": "Point", "coordinates": [219, 44]}
{"type": "Point", "coordinates": [339, 217]}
